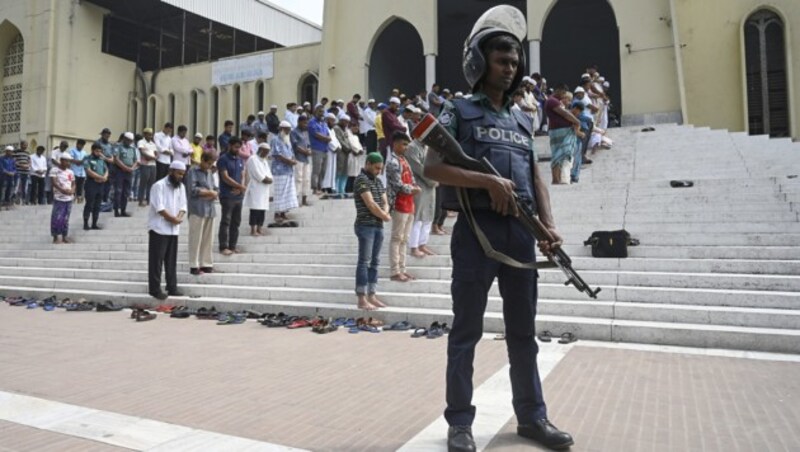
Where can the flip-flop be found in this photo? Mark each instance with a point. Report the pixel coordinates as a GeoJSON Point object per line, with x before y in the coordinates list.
{"type": "Point", "coordinates": [567, 338]}
{"type": "Point", "coordinates": [302, 322]}
{"type": "Point", "coordinates": [681, 183]}
{"type": "Point", "coordinates": [354, 330]}
{"type": "Point", "coordinates": [32, 304]}
{"type": "Point", "coordinates": [349, 323]}
{"type": "Point", "coordinates": [545, 336]}
{"type": "Point", "coordinates": [339, 321]}
{"type": "Point", "coordinates": [403, 325]}
{"type": "Point", "coordinates": [369, 328]}
{"type": "Point", "coordinates": [419, 332]}
{"type": "Point", "coordinates": [253, 314]}
{"type": "Point", "coordinates": [237, 318]}
{"type": "Point", "coordinates": [48, 306]}
{"type": "Point", "coordinates": [181, 312]}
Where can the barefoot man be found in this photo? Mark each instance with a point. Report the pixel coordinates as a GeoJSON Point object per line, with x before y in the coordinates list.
{"type": "Point", "coordinates": [372, 210]}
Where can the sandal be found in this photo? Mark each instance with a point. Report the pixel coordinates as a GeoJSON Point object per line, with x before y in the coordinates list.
{"type": "Point", "coordinates": [567, 338]}
{"type": "Point", "coordinates": [435, 331]}
{"type": "Point", "coordinates": [181, 312]}
{"type": "Point", "coordinates": [545, 336]}
{"type": "Point", "coordinates": [108, 306]}
{"type": "Point", "coordinates": [302, 322]}
{"type": "Point", "coordinates": [419, 332]}
{"type": "Point", "coordinates": [403, 325]}
{"type": "Point", "coordinates": [144, 316]}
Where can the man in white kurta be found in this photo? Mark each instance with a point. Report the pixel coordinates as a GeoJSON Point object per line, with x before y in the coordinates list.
{"type": "Point", "coordinates": [256, 198]}
{"type": "Point", "coordinates": [167, 209]}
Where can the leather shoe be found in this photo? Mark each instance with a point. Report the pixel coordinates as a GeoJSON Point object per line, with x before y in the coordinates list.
{"type": "Point", "coordinates": [546, 434]}
{"type": "Point", "coordinates": [459, 439]}
{"type": "Point", "coordinates": [175, 293]}
{"type": "Point", "coordinates": [159, 296]}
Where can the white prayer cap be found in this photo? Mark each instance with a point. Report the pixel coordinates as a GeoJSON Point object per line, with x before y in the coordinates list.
{"type": "Point", "coordinates": [198, 135]}
{"type": "Point", "coordinates": [371, 101]}
{"type": "Point", "coordinates": [601, 79]}
{"type": "Point", "coordinates": [330, 116]}
{"type": "Point", "coordinates": [260, 113]}
{"type": "Point", "coordinates": [264, 146]}
{"type": "Point", "coordinates": [579, 90]}
{"type": "Point", "coordinates": [345, 118]}
{"type": "Point", "coordinates": [9, 148]}
{"type": "Point", "coordinates": [339, 101]}
{"type": "Point", "coordinates": [527, 79]}
{"type": "Point", "coordinates": [458, 95]}
{"type": "Point", "coordinates": [285, 124]}
{"type": "Point", "coordinates": [606, 85]}
{"type": "Point", "coordinates": [177, 165]}
{"type": "Point", "coordinates": [585, 75]}
{"type": "Point", "coordinates": [273, 106]}
{"type": "Point", "coordinates": [61, 156]}
{"type": "Point", "coordinates": [394, 100]}
{"type": "Point", "coordinates": [129, 136]}
{"type": "Point", "coordinates": [306, 104]}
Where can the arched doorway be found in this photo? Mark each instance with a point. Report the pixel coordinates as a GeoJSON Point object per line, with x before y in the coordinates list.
{"type": "Point", "coordinates": [567, 50]}
{"type": "Point", "coordinates": [765, 68]}
{"type": "Point", "coordinates": [11, 105]}
{"type": "Point", "coordinates": [396, 61]}
{"type": "Point", "coordinates": [307, 88]}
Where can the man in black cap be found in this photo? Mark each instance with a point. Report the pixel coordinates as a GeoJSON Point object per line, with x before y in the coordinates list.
{"type": "Point", "coordinates": [485, 125]}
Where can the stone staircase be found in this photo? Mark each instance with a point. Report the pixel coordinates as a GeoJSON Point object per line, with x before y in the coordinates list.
{"type": "Point", "coordinates": [718, 265]}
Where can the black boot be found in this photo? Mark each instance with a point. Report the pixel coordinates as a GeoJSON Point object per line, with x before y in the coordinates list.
{"type": "Point", "coordinates": [546, 434]}
{"type": "Point", "coordinates": [459, 439]}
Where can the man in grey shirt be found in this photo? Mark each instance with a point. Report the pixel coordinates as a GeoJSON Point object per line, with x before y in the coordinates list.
{"type": "Point", "coordinates": [201, 195]}
{"type": "Point", "coordinates": [435, 101]}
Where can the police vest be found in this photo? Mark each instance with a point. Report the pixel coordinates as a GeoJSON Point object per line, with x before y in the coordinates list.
{"type": "Point", "coordinates": [505, 142]}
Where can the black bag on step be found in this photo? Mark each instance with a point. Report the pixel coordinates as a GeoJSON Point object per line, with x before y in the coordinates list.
{"type": "Point", "coordinates": [610, 243]}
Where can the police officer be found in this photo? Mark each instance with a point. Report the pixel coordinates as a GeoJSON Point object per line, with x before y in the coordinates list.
{"type": "Point", "coordinates": [486, 126]}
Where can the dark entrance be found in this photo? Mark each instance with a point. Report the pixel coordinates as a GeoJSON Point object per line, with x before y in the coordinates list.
{"type": "Point", "coordinates": [396, 62]}
{"type": "Point", "coordinates": [566, 51]}
{"type": "Point", "coordinates": [455, 19]}
{"type": "Point", "coordinates": [765, 64]}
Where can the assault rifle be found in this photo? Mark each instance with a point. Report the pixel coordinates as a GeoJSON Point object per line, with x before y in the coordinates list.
{"type": "Point", "coordinates": [436, 137]}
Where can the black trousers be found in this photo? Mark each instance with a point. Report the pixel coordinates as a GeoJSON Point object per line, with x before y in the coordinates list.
{"type": "Point", "coordinates": [94, 197]}
{"type": "Point", "coordinates": [440, 214]}
{"type": "Point", "coordinates": [37, 190]}
{"type": "Point", "coordinates": [162, 169]}
{"type": "Point", "coordinates": [162, 253]}
{"type": "Point", "coordinates": [122, 189]}
{"type": "Point", "coordinates": [112, 177]}
{"type": "Point", "coordinates": [257, 217]}
{"type": "Point", "coordinates": [80, 182]}
{"type": "Point", "coordinates": [229, 223]}
{"type": "Point", "coordinates": [473, 275]}
{"type": "Point", "coordinates": [372, 141]}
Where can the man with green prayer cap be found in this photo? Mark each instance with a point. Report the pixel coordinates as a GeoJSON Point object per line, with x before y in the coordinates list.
{"type": "Point", "coordinates": [372, 210]}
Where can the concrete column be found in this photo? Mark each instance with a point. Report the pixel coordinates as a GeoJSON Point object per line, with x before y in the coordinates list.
{"type": "Point", "coordinates": [534, 50]}
{"type": "Point", "coordinates": [430, 70]}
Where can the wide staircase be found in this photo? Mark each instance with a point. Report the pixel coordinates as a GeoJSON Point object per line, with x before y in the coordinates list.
{"type": "Point", "coordinates": [718, 263]}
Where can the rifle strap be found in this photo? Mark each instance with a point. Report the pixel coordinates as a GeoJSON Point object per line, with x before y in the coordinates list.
{"type": "Point", "coordinates": [466, 207]}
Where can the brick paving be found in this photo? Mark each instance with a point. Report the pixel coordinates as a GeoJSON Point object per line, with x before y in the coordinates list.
{"type": "Point", "coordinates": [625, 400]}
{"type": "Point", "coordinates": [19, 438]}
{"type": "Point", "coordinates": [321, 392]}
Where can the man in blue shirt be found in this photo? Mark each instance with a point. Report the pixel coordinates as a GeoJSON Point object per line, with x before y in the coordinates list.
{"type": "Point", "coordinates": [78, 156]}
{"type": "Point", "coordinates": [319, 137]}
{"type": "Point", "coordinates": [8, 166]}
{"type": "Point", "coordinates": [224, 139]}
{"type": "Point", "coordinates": [301, 146]}
{"type": "Point", "coordinates": [231, 193]}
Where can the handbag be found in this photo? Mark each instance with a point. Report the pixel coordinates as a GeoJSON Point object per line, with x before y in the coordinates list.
{"type": "Point", "coordinates": [612, 244]}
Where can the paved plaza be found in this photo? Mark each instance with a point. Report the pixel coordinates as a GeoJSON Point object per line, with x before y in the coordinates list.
{"type": "Point", "coordinates": [100, 381]}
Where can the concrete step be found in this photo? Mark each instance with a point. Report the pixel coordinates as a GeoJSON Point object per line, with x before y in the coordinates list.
{"type": "Point", "coordinates": [664, 333]}
{"type": "Point", "coordinates": [417, 294]}
{"type": "Point", "coordinates": [298, 263]}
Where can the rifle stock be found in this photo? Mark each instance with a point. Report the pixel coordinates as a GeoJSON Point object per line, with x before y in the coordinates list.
{"type": "Point", "coordinates": [436, 137]}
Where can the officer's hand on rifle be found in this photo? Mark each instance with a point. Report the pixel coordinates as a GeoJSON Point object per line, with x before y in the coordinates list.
{"type": "Point", "coordinates": [547, 246]}
{"type": "Point", "coordinates": [501, 191]}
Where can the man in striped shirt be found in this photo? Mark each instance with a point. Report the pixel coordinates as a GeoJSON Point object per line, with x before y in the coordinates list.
{"type": "Point", "coordinates": [372, 210]}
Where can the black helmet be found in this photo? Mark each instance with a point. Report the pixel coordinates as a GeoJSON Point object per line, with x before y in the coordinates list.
{"type": "Point", "coordinates": [500, 20]}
